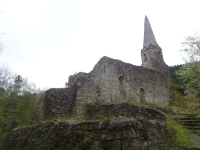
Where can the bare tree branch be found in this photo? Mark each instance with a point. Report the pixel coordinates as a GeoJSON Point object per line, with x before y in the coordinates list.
{"type": "Point", "coordinates": [6, 76]}
{"type": "Point", "coordinates": [1, 44]}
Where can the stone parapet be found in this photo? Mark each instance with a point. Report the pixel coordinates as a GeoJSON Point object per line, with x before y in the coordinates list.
{"type": "Point", "coordinates": [123, 109]}
{"type": "Point", "coordinates": [58, 102]}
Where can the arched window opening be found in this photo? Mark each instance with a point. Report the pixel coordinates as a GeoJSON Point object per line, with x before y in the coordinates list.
{"type": "Point", "coordinates": [142, 95]}
{"type": "Point", "coordinates": [159, 55]}
{"type": "Point", "coordinates": [145, 57]}
{"type": "Point", "coordinates": [121, 80]}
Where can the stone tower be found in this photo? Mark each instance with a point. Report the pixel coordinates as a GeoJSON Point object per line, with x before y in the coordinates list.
{"type": "Point", "coordinates": [151, 53]}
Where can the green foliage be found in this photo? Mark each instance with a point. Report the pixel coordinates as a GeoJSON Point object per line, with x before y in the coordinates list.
{"type": "Point", "coordinates": [174, 76]}
{"type": "Point", "coordinates": [2, 127]}
{"type": "Point", "coordinates": [179, 100]}
{"type": "Point", "coordinates": [152, 70]}
{"type": "Point", "coordinates": [20, 103]}
{"type": "Point", "coordinates": [189, 74]}
{"type": "Point", "coordinates": [14, 124]}
{"type": "Point", "coordinates": [17, 110]}
{"type": "Point", "coordinates": [73, 140]}
{"type": "Point", "coordinates": [177, 135]}
{"type": "Point", "coordinates": [18, 81]}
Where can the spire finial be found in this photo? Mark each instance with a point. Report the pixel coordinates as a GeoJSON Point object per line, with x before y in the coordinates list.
{"type": "Point", "coordinates": [149, 37]}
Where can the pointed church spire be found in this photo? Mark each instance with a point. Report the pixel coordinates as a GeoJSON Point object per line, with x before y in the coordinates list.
{"type": "Point", "coordinates": [149, 37]}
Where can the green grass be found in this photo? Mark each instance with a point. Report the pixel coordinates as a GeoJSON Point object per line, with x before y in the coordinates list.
{"type": "Point", "coordinates": [177, 135]}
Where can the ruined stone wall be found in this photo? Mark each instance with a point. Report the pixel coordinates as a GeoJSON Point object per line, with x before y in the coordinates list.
{"type": "Point", "coordinates": [125, 134]}
{"type": "Point", "coordinates": [58, 102]}
{"type": "Point", "coordinates": [110, 81]}
{"type": "Point", "coordinates": [122, 110]}
{"type": "Point", "coordinates": [123, 81]}
{"type": "Point", "coordinates": [85, 84]}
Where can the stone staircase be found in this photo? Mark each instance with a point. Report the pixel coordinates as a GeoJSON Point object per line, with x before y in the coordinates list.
{"type": "Point", "coordinates": [190, 121]}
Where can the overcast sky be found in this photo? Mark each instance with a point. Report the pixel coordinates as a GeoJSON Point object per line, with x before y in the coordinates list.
{"type": "Point", "coordinates": [49, 40]}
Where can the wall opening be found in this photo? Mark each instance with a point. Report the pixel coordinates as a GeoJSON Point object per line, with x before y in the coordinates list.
{"type": "Point", "coordinates": [142, 95]}
{"type": "Point", "coordinates": [145, 57]}
{"type": "Point", "coordinates": [121, 81]}
{"type": "Point", "coordinates": [104, 69]}
{"type": "Point", "coordinates": [122, 87]}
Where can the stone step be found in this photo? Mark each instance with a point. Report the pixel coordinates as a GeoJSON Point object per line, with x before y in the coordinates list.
{"type": "Point", "coordinates": [195, 131]}
{"type": "Point", "coordinates": [189, 115]}
{"type": "Point", "coordinates": [193, 128]}
{"type": "Point", "coordinates": [189, 121]}
{"type": "Point", "coordinates": [189, 118]}
{"type": "Point", "coordinates": [194, 148]}
{"type": "Point", "coordinates": [190, 124]}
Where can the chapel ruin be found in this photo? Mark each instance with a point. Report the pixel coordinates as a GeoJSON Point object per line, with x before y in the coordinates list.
{"type": "Point", "coordinates": [113, 80]}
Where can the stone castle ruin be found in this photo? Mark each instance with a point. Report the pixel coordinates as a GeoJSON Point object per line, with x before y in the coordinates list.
{"type": "Point", "coordinates": [113, 80]}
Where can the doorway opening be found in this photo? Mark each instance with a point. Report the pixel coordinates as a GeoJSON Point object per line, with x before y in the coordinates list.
{"type": "Point", "coordinates": [122, 87]}
{"type": "Point", "coordinates": [142, 95]}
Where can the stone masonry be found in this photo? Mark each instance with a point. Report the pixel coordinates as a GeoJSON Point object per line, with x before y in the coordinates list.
{"type": "Point", "coordinates": [114, 134]}
{"type": "Point", "coordinates": [113, 79]}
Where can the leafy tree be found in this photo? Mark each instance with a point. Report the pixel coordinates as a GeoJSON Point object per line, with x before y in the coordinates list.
{"type": "Point", "coordinates": [190, 72]}
{"type": "Point", "coordinates": [20, 102]}
{"type": "Point", "coordinates": [18, 81]}
{"type": "Point", "coordinates": [2, 127]}
{"type": "Point", "coordinates": [174, 77]}
{"type": "Point", "coordinates": [14, 124]}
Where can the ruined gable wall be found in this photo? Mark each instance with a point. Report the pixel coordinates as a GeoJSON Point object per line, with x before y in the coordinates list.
{"type": "Point", "coordinates": [126, 80]}
{"type": "Point", "coordinates": [119, 79]}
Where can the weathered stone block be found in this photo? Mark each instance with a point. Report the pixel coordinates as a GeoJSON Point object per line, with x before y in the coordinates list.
{"type": "Point", "coordinates": [108, 136]}
{"type": "Point", "coordinates": [140, 126]}
{"type": "Point", "coordinates": [111, 145]}
{"type": "Point", "coordinates": [118, 134]}
{"type": "Point", "coordinates": [123, 124]}
{"type": "Point", "coordinates": [131, 144]}
{"type": "Point", "coordinates": [153, 148]}
{"type": "Point", "coordinates": [95, 147]}
{"type": "Point", "coordinates": [129, 133]}
{"type": "Point", "coordinates": [97, 143]}
{"type": "Point", "coordinates": [103, 124]}
{"type": "Point", "coordinates": [145, 146]}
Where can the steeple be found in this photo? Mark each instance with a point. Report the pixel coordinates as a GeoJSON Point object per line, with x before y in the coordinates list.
{"type": "Point", "coordinates": [149, 37]}
{"type": "Point", "coordinates": [151, 53]}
